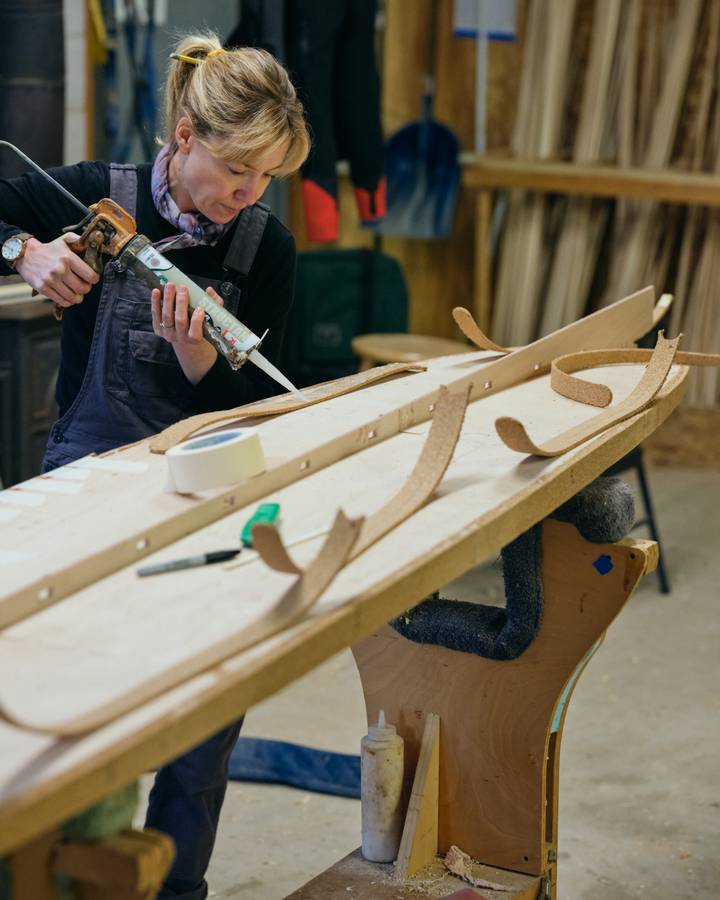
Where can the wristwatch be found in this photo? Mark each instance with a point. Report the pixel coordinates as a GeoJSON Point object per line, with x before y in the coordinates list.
{"type": "Point", "coordinates": [14, 248]}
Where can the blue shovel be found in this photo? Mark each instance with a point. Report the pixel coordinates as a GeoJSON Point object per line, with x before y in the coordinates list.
{"type": "Point", "coordinates": [423, 174]}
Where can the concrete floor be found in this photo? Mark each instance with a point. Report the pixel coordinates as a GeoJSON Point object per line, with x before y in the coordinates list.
{"type": "Point", "coordinates": [639, 786]}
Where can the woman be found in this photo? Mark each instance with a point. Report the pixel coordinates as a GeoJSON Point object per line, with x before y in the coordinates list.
{"type": "Point", "coordinates": [133, 363]}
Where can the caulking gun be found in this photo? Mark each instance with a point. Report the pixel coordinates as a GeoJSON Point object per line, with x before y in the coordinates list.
{"type": "Point", "coordinates": [106, 228]}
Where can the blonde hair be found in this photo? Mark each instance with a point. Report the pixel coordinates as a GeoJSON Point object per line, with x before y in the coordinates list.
{"type": "Point", "coordinates": [239, 102]}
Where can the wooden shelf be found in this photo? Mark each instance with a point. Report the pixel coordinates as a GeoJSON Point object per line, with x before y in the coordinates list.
{"type": "Point", "coordinates": [666, 185]}
{"type": "Point", "coordinates": [485, 174]}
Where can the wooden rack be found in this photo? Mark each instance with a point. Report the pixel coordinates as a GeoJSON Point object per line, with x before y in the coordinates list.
{"type": "Point", "coordinates": [485, 174]}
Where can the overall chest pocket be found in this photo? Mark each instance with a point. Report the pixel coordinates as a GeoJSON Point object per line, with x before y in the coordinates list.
{"type": "Point", "coordinates": [154, 370]}
{"type": "Point", "coordinates": [146, 362]}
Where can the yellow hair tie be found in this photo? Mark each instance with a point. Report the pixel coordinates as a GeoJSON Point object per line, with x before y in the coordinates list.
{"type": "Point", "coordinates": [193, 60]}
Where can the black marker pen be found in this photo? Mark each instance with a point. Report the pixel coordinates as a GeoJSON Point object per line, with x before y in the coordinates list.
{"type": "Point", "coordinates": [189, 562]}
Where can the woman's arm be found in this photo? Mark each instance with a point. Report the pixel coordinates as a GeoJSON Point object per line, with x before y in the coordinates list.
{"type": "Point", "coordinates": [31, 204]}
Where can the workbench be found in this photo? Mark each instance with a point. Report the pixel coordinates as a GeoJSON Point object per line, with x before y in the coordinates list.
{"type": "Point", "coordinates": [29, 360]}
{"type": "Point", "coordinates": [488, 497]}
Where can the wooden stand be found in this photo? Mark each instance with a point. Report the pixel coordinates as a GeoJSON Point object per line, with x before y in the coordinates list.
{"type": "Point", "coordinates": [501, 720]}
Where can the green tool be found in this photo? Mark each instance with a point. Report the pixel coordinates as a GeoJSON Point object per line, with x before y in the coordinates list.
{"type": "Point", "coordinates": [266, 512]}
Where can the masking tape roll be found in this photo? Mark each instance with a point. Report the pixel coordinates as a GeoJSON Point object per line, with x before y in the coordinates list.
{"type": "Point", "coordinates": [213, 460]}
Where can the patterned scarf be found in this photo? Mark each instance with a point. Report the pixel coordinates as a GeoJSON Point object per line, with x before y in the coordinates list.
{"type": "Point", "coordinates": [195, 228]}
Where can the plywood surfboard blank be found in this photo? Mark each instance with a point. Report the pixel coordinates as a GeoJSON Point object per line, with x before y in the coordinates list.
{"type": "Point", "coordinates": [74, 657]}
{"type": "Point", "coordinates": [347, 539]}
{"type": "Point", "coordinates": [488, 497]}
{"type": "Point", "coordinates": [295, 601]}
{"type": "Point", "coordinates": [99, 532]}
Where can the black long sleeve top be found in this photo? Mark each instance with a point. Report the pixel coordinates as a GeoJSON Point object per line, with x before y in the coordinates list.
{"type": "Point", "coordinates": [32, 205]}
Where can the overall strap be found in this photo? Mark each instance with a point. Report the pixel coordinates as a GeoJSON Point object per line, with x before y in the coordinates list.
{"type": "Point", "coordinates": [246, 240]}
{"type": "Point", "coordinates": [123, 186]}
{"type": "Point", "coordinates": [241, 253]}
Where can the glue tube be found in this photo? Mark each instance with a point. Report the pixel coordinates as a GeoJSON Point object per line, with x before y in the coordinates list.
{"type": "Point", "coordinates": [229, 336]}
{"type": "Point", "coordinates": [381, 782]}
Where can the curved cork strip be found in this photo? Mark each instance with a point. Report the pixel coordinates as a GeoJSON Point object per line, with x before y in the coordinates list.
{"type": "Point", "coordinates": [470, 328]}
{"type": "Point", "coordinates": [292, 606]}
{"type": "Point", "coordinates": [513, 433]}
{"type": "Point", "coordinates": [420, 485]}
{"type": "Point", "coordinates": [595, 394]}
{"type": "Point", "coordinates": [283, 403]}
{"type": "Point", "coordinates": [472, 331]}
{"type": "Point", "coordinates": [270, 548]}
{"type": "Point", "coordinates": [427, 473]}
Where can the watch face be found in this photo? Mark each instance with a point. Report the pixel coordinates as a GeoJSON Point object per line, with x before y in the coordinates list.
{"type": "Point", "coordinates": [12, 248]}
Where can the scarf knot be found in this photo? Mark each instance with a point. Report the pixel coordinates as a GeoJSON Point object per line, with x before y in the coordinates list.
{"type": "Point", "coordinates": [194, 228]}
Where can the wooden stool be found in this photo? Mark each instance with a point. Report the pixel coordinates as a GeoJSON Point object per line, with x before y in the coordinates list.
{"type": "Point", "coordinates": [385, 348]}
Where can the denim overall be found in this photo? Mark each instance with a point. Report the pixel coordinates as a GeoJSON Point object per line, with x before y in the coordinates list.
{"type": "Point", "coordinates": [134, 387]}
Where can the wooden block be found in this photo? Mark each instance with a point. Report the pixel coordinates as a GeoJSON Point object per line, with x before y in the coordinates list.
{"type": "Point", "coordinates": [419, 843]}
{"type": "Point", "coordinates": [129, 865]}
{"type": "Point", "coordinates": [31, 871]}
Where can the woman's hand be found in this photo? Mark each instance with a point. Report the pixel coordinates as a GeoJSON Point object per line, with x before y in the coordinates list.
{"type": "Point", "coordinates": [171, 321]}
{"type": "Point", "coordinates": [54, 270]}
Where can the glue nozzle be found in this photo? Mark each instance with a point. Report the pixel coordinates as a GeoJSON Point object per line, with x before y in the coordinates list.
{"type": "Point", "coordinates": [382, 731]}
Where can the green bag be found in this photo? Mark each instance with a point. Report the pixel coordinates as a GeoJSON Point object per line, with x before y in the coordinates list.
{"type": "Point", "coordinates": [340, 294]}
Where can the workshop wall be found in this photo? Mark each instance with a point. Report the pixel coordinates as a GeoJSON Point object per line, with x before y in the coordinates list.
{"type": "Point", "coordinates": [439, 272]}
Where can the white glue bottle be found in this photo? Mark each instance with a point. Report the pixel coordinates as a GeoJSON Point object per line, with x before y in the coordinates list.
{"type": "Point", "coordinates": [381, 784]}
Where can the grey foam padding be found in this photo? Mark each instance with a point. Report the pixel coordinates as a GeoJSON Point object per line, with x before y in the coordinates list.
{"type": "Point", "coordinates": [602, 512]}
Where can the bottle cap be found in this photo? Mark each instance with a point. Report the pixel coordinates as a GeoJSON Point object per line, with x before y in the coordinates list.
{"type": "Point", "coordinates": [382, 731]}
